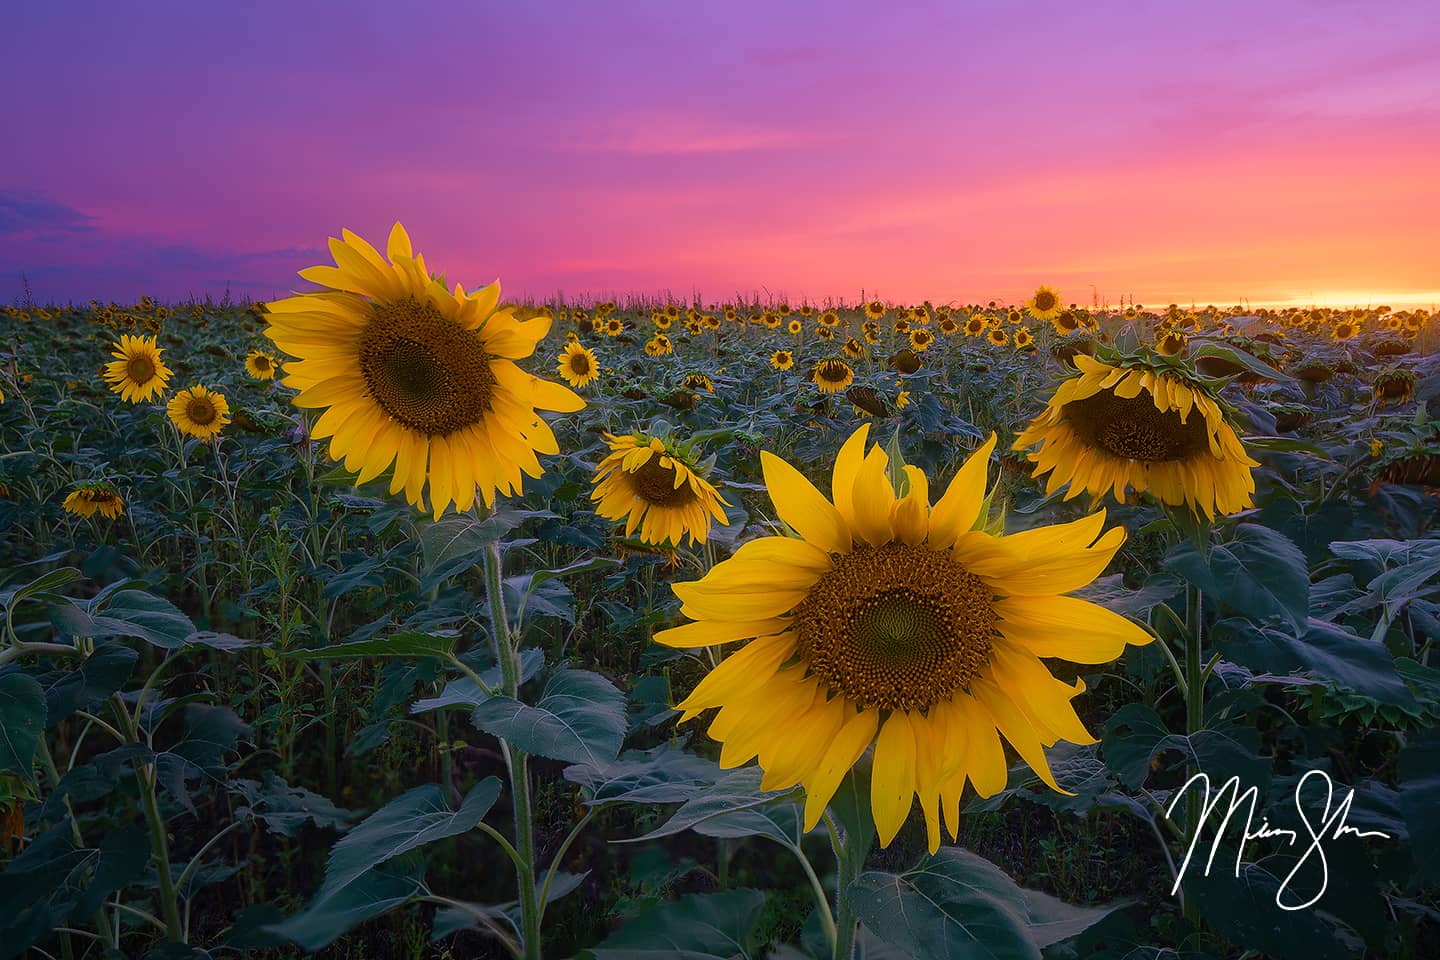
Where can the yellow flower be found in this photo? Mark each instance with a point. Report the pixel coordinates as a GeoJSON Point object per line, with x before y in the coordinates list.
{"type": "Point", "coordinates": [138, 374]}
{"type": "Point", "coordinates": [892, 622]}
{"type": "Point", "coordinates": [578, 365]}
{"type": "Point", "coordinates": [829, 319]}
{"type": "Point", "coordinates": [1023, 339]}
{"type": "Point", "coordinates": [651, 486]}
{"type": "Point", "coordinates": [412, 374]}
{"type": "Point", "coordinates": [853, 349]}
{"type": "Point", "coordinates": [1065, 322]}
{"type": "Point", "coordinates": [658, 346]}
{"type": "Point", "coordinates": [1044, 303]}
{"type": "Point", "coordinates": [832, 376]}
{"type": "Point", "coordinates": [199, 413]}
{"type": "Point", "coordinates": [998, 337]}
{"type": "Point", "coordinates": [921, 339]}
{"type": "Point", "coordinates": [1170, 344]}
{"type": "Point", "coordinates": [782, 360]}
{"type": "Point", "coordinates": [260, 365]}
{"type": "Point", "coordinates": [89, 498]}
{"type": "Point", "coordinates": [795, 326]}
{"type": "Point", "coordinates": [1376, 447]}
{"type": "Point", "coordinates": [976, 325]}
{"type": "Point", "coordinates": [1108, 429]}
{"type": "Point", "coordinates": [874, 309]}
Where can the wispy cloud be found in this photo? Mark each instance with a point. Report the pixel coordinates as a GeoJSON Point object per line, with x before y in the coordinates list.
{"type": "Point", "coordinates": [34, 212]}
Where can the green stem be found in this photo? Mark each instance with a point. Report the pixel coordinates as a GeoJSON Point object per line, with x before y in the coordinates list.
{"type": "Point", "coordinates": [508, 656]}
{"type": "Point", "coordinates": [1194, 719]}
{"type": "Point", "coordinates": [159, 843]}
{"type": "Point", "coordinates": [846, 871]}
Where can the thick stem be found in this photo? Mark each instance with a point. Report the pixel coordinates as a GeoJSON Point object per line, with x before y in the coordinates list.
{"type": "Point", "coordinates": [160, 850]}
{"type": "Point", "coordinates": [1194, 719]}
{"type": "Point", "coordinates": [508, 656]}
{"type": "Point", "coordinates": [846, 871]}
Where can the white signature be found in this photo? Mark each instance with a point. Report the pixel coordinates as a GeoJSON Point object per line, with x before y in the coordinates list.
{"type": "Point", "coordinates": [1332, 827]}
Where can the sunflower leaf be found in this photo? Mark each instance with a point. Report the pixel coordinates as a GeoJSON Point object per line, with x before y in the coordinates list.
{"type": "Point", "coordinates": [580, 718]}
{"type": "Point", "coordinates": [713, 926]}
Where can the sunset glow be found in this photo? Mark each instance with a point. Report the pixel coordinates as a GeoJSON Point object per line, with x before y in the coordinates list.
{"type": "Point", "coordinates": [1282, 153]}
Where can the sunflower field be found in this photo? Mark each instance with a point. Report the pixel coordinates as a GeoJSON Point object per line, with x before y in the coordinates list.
{"type": "Point", "coordinates": [398, 619]}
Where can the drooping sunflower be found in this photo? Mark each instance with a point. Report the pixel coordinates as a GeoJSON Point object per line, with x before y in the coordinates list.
{"type": "Point", "coordinates": [1110, 428]}
{"type": "Point", "coordinates": [260, 365]}
{"type": "Point", "coordinates": [656, 487]}
{"type": "Point", "coordinates": [1170, 343]}
{"type": "Point", "coordinates": [824, 333]}
{"type": "Point", "coordinates": [832, 376]}
{"type": "Point", "coordinates": [892, 622]}
{"type": "Point", "coordinates": [699, 381]}
{"type": "Point", "coordinates": [95, 497]}
{"type": "Point", "coordinates": [659, 346]}
{"type": "Point", "coordinates": [418, 376]}
{"type": "Point", "coordinates": [853, 348]}
{"type": "Point", "coordinates": [137, 374]}
{"type": "Point", "coordinates": [782, 360]}
{"type": "Point", "coordinates": [199, 413]}
{"type": "Point", "coordinates": [1044, 303]}
{"type": "Point", "coordinates": [578, 365]}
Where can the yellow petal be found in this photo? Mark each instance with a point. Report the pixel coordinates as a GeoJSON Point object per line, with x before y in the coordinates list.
{"type": "Point", "coordinates": [847, 467]}
{"type": "Point", "coordinates": [958, 510]}
{"type": "Point", "coordinates": [892, 780]}
{"type": "Point", "coordinates": [840, 755]}
{"type": "Point", "coordinates": [710, 633]}
{"type": "Point", "coordinates": [803, 507]}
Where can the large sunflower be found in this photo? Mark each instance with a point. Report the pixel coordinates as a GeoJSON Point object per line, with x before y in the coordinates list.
{"type": "Point", "coordinates": [1110, 428]}
{"type": "Point", "coordinates": [657, 489]}
{"type": "Point", "coordinates": [412, 374]}
{"type": "Point", "coordinates": [199, 413]}
{"type": "Point", "coordinates": [138, 374]}
{"type": "Point", "coordinates": [578, 365]}
{"type": "Point", "coordinates": [892, 622]}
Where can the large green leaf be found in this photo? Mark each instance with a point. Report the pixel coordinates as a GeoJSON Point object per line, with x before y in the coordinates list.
{"type": "Point", "coordinates": [22, 721]}
{"type": "Point", "coordinates": [462, 691]}
{"type": "Point", "coordinates": [127, 612]}
{"type": "Point", "coordinates": [663, 774]}
{"type": "Point", "coordinates": [735, 791]}
{"type": "Point", "coordinates": [457, 543]}
{"type": "Point", "coordinates": [97, 677]}
{"type": "Point", "coordinates": [580, 718]}
{"type": "Point", "coordinates": [714, 926]}
{"type": "Point", "coordinates": [406, 643]}
{"type": "Point", "coordinates": [284, 809]}
{"type": "Point", "coordinates": [369, 894]}
{"type": "Point", "coordinates": [957, 904]}
{"type": "Point", "coordinates": [1258, 572]}
{"type": "Point", "coordinates": [210, 733]}
{"type": "Point", "coordinates": [1324, 649]}
{"type": "Point", "coordinates": [1420, 798]}
{"type": "Point", "coordinates": [1135, 734]}
{"type": "Point", "coordinates": [411, 820]}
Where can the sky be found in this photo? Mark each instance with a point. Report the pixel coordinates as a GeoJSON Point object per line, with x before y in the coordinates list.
{"type": "Point", "coordinates": [1167, 151]}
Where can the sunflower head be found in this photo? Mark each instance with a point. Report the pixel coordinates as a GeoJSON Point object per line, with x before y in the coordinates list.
{"type": "Point", "coordinates": [136, 373]}
{"type": "Point", "coordinates": [260, 365]}
{"type": "Point", "coordinates": [578, 365]}
{"type": "Point", "coordinates": [659, 346]}
{"type": "Point", "coordinates": [1145, 424]}
{"type": "Point", "coordinates": [874, 309]}
{"type": "Point", "coordinates": [656, 485]}
{"type": "Point", "coordinates": [411, 374]}
{"type": "Point", "coordinates": [853, 348]}
{"type": "Point", "coordinates": [699, 381]}
{"type": "Point", "coordinates": [832, 376]}
{"type": "Point", "coordinates": [998, 337]}
{"type": "Point", "coordinates": [199, 413]}
{"type": "Point", "coordinates": [1023, 339]}
{"type": "Point", "coordinates": [921, 339]}
{"type": "Point", "coordinates": [92, 497]}
{"type": "Point", "coordinates": [890, 623]}
{"type": "Point", "coordinates": [782, 360]}
{"type": "Point", "coordinates": [1044, 303]}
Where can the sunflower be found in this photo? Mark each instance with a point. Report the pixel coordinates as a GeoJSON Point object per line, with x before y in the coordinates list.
{"type": "Point", "coordinates": [890, 622]}
{"type": "Point", "coordinates": [771, 319]}
{"type": "Point", "coordinates": [795, 326]}
{"type": "Point", "coordinates": [95, 497]}
{"type": "Point", "coordinates": [656, 488]}
{"type": "Point", "coordinates": [874, 309]}
{"type": "Point", "coordinates": [872, 337]}
{"type": "Point", "coordinates": [921, 339]}
{"type": "Point", "coordinates": [415, 375]}
{"type": "Point", "coordinates": [948, 325]}
{"type": "Point", "coordinates": [578, 365]}
{"type": "Point", "coordinates": [782, 360]}
{"type": "Point", "coordinates": [699, 381]}
{"type": "Point", "coordinates": [1044, 302]}
{"type": "Point", "coordinates": [1344, 330]}
{"type": "Point", "coordinates": [1022, 339]}
{"type": "Point", "coordinates": [1065, 322]}
{"type": "Point", "coordinates": [260, 365]}
{"type": "Point", "coordinates": [138, 374]}
{"type": "Point", "coordinates": [829, 318]}
{"type": "Point", "coordinates": [1109, 428]}
{"type": "Point", "coordinates": [998, 337]}
{"type": "Point", "coordinates": [658, 346]}
{"type": "Point", "coordinates": [613, 326]}
{"type": "Point", "coordinates": [1170, 344]}
{"type": "Point", "coordinates": [832, 376]}
{"type": "Point", "coordinates": [902, 325]}
{"type": "Point", "coordinates": [920, 316]}
{"type": "Point", "coordinates": [976, 325]}
{"type": "Point", "coordinates": [853, 348]}
{"type": "Point", "coordinates": [199, 413]}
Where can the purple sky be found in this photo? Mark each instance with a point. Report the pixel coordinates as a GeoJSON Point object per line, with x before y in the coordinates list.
{"type": "Point", "coordinates": [1169, 151]}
